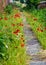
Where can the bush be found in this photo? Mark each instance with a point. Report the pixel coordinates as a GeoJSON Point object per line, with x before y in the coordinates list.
{"type": "Point", "coordinates": [3, 51]}
{"type": "Point", "coordinates": [32, 3]}
{"type": "Point", "coordinates": [8, 9]}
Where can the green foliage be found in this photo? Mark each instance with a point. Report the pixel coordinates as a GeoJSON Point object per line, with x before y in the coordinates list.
{"type": "Point", "coordinates": [35, 1]}
{"type": "Point", "coordinates": [3, 51]}
{"type": "Point", "coordinates": [10, 41]}
{"type": "Point", "coordinates": [8, 9]}
{"type": "Point", "coordinates": [32, 3]}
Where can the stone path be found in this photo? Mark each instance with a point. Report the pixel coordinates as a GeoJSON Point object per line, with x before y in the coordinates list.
{"type": "Point", "coordinates": [32, 45]}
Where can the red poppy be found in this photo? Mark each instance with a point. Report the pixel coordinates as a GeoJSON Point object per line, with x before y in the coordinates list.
{"type": "Point", "coordinates": [21, 24]}
{"type": "Point", "coordinates": [39, 30]}
{"type": "Point", "coordinates": [45, 28]}
{"type": "Point", "coordinates": [0, 18]}
{"type": "Point", "coordinates": [17, 15]}
{"type": "Point", "coordinates": [5, 18]}
{"type": "Point", "coordinates": [22, 38]}
{"type": "Point", "coordinates": [16, 32]}
{"type": "Point", "coordinates": [35, 19]}
{"type": "Point", "coordinates": [13, 24]}
{"type": "Point", "coordinates": [22, 45]}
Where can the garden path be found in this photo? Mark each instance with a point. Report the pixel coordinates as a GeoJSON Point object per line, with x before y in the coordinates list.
{"type": "Point", "coordinates": [32, 45]}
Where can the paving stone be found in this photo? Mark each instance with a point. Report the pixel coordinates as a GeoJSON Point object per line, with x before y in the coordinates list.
{"type": "Point", "coordinates": [32, 42]}
{"type": "Point", "coordinates": [33, 49]}
{"type": "Point", "coordinates": [38, 63]}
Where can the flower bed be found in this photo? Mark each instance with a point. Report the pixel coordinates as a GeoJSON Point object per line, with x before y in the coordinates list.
{"type": "Point", "coordinates": [12, 42]}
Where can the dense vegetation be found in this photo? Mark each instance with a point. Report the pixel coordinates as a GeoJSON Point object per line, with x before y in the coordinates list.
{"type": "Point", "coordinates": [12, 42]}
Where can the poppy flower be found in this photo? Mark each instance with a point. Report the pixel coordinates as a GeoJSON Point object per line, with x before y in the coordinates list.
{"type": "Point", "coordinates": [16, 32]}
{"type": "Point", "coordinates": [45, 28]}
{"type": "Point", "coordinates": [21, 24]}
{"type": "Point", "coordinates": [17, 16]}
{"type": "Point", "coordinates": [22, 38]}
{"type": "Point", "coordinates": [22, 44]}
{"type": "Point", "coordinates": [35, 19]}
{"type": "Point", "coordinates": [39, 30]}
{"type": "Point", "coordinates": [13, 24]}
{"type": "Point", "coordinates": [0, 18]}
{"type": "Point", "coordinates": [5, 18]}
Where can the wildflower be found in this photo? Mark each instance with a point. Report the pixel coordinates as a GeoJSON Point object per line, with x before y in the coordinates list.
{"type": "Point", "coordinates": [22, 38]}
{"type": "Point", "coordinates": [21, 24]}
{"type": "Point", "coordinates": [45, 28]}
{"type": "Point", "coordinates": [22, 45]}
{"type": "Point", "coordinates": [35, 19]}
{"type": "Point", "coordinates": [17, 16]}
{"type": "Point", "coordinates": [40, 30]}
{"type": "Point", "coordinates": [16, 32]}
{"type": "Point", "coordinates": [13, 24]}
{"type": "Point", "coordinates": [5, 18]}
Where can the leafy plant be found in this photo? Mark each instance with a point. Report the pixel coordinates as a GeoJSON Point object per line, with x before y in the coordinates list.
{"type": "Point", "coordinates": [8, 9]}
{"type": "Point", "coordinates": [3, 51]}
{"type": "Point", "coordinates": [32, 3]}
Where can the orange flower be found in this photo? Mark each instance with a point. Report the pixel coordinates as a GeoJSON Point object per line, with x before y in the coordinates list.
{"type": "Point", "coordinates": [45, 28]}
{"type": "Point", "coordinates": [16, 32]}
{"type": "Point", "coordinates": [21, 24]}
{"type": "Point", "coordinates": [35, 19]}
{"type": "Point", "coordinates": [22, 38]}
{"type": "Point", "coordinates": [40, 30]}
{"type": "Point", "coordinates": [22, 45]}
{"type": "Point", "coordinates": [17, 16]}
{"type": "Point", "coordinates": [13, 24]}
{"type": "Point", "coordinates": [5, 18]}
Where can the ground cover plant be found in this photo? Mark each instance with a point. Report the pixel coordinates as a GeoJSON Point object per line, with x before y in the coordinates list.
{"type": "Point", "coordinates": [37, 21]}
{"type": "Point", "coordinates": [12, 42]}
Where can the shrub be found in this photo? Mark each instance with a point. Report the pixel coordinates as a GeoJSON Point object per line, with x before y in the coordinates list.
{"type": "Point", "coordinates": [3, 51]}
{"type": "Point", "coordinates": [8, 9]}
{"type": "Point", "coordinates": [32, 3]}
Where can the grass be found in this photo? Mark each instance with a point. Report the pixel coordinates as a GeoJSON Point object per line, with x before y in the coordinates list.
{"type": "Point", "coordinates": [12, 39]}
{"type": "Point", "coordinates": [37, 21]}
